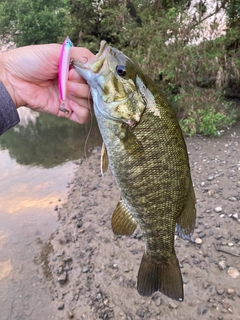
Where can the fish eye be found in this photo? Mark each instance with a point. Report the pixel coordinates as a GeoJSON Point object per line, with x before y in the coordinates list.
{"type": "Point", "coordinates": [121, 70]}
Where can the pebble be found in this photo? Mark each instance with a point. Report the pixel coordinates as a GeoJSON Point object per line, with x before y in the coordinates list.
{"type": "Point", "coordinates": [198, 241]}
{"type": "Point", "coordinates": [218, 209]}
{"type": "Point", "coordinates": [230, 291]}
{"type": "Point", "coordinates": [202, 309]}
{"type": "Point", "coordinates": [233, 272]}
{"type": "Point", "coordinates": [235, 216]}
{"type": "Point", "coordinates": [172, 305]}
{"type": "Point", "coordinates": [61, 306]}
{"type": "Point", "coordinates": [230, 244]}
{"type": "Point", "coordinates": [62, 278]}
{"type": "Point", "coordinates": [70, 314]}
{"type": "Point", "coordinates": [158, 301]}
{"type": "Point", "coordinates": [222, 265]}
{"type": "Point", "coordinates": [67, 259]}
{"type": "Point", "coordinates": [220, 291]}
{"type": "Point", "coordinates": [230, 310]}
{"type": "Point", "coordinates": [85, 269]}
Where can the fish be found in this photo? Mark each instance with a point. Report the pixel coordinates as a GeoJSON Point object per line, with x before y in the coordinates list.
{"type": "Point", "coordinates": [63, 69]}
{"type": "Point", "coordinates": [144, 146]}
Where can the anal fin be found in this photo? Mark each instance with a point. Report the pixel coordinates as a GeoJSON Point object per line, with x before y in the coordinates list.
{"type": "Point", "coordinates": [122, 221]}
{"type": "Point", "coordinates": [163, 276]}
{"type": "Point", "coordinates": [186, 221]}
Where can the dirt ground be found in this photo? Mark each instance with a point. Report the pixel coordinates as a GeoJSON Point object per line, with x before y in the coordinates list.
{"type": "Point", "coordinates": [93, 273]}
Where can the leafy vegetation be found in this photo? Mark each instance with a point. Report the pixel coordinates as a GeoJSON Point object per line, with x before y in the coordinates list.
{"type": "Point", "coordinates": [177, 42]}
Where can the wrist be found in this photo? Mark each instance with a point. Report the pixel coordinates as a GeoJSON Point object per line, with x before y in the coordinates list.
{"type": "Point", "coordinates": [5, 79]}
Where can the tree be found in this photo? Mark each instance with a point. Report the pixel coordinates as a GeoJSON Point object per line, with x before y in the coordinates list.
{"type": "Point", "coordinates": [29, 22]}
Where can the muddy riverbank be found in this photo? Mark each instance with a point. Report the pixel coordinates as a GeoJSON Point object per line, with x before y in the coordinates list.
{"type": "Point", "coordinates": [93, 273]}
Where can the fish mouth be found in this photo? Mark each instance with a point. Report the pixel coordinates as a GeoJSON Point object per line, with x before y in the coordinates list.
{"type": "Point", "coordinates": [94, 65]}
{"type": "Point", "coordinates": [102, 50]}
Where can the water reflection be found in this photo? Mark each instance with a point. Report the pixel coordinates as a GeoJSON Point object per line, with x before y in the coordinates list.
{"type": "Point", "coordinates": [35, 172]}
{"type": "Point", "coordinates": [47, 141]}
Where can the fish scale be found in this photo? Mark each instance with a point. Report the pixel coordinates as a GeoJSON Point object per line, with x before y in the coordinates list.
{"type": "Point", "coordinates": [145, 149]}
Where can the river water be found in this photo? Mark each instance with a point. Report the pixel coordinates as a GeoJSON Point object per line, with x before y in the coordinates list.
{"type": "Point", "coordinates": [37, 160]}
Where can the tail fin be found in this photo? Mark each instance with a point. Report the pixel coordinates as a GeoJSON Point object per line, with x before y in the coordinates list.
{"type": "Point", "coordinates": [163, 276]}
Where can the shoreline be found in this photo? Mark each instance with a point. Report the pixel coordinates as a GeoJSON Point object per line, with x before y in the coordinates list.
{"type": "Point", "coordinates": [94, 273]}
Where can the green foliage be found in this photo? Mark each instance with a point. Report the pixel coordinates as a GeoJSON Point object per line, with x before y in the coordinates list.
{"type": "Point", "coordinates": [194, 72]}
{"type": "Point", "coordinates": [207, 112]}
{"type": "Point", "coordinates": [211, 122]}
{"type": "Point", "coordinates": [33, 22]}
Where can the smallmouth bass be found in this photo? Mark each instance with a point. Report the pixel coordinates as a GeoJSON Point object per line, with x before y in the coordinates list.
{"type": "Point", "coordinates": [144, 146]}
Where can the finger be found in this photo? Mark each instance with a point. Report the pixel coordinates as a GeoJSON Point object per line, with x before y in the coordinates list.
{"type": "Point", "coordinates": [82, 54]}
{"type": "Point", "coordinates": [79, 90]}
{"type": "Point", "coordinates": [73, 75]}
{"type": "Point", "coordinates": [79, 113]}
{"type": "Point", "coordinates": [84, 102]}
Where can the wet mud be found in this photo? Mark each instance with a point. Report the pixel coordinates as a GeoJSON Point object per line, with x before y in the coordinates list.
{"type": "Point", "coordinates": [94, 273]}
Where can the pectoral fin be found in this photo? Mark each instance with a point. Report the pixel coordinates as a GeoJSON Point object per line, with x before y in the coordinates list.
{"type": "Point", "coordinates": [122, 221]}
{"type": "Point", "coordinates": [104, 159]}
{"type": "Point", "coordinates": [186, 221]}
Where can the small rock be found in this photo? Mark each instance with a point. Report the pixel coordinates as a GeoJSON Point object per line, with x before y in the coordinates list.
{"type": "Point", "coordinates": [210, 193]}
{"type": "Point", "coordinates": [202, 235]}
{"type": "Point", "coordinates": [70, 314]}
{"type": "Point", "coordinates": [62, 278]}
{"type": "Point", "coordinates": [233, 272]}
{"type": "Point", "coordinates": [140, 313]}
{"type": "Point", "coordinates": [230, 291]}
{"type": "Point", "coordinates": [220, 291]}
{"type": "Point", "coordinates": [222, 265]}
{"type": "Point", "coordinates": [230, 244]}
{"type": "Point", "coordinates": [230, 310]}
{"type": "Point", "coordinates": [232, 199]}
{"type": "Point", "coordinates": [198, 241]}
{"type": "Point", "coordinates": [172, 305]}
{"type": "Point", "coordinates": [67, 259]}
{"type": "Point", "coordinates": [61, 306]}
{"type": "Point", "coordinates": [218, 209]}
{"type": "Point", "coordinates": [206, 285]}
{"type": "Point", "coordinates": [202, 309]}
{"type": "Point", "coordinates": [85, 269]}
{"type": "Point", "coordinates": [235, 216]}
{"type": "Point", "coordinates": [158, 301]}
{"type": "Point", "coordinates": [210, 178]}
{"type": "Point", "coordinates": [60, 254]}
{"type": "Point", "coordinates": [79, 224]}
{"type": "Point", "coordinates": [56, 208]}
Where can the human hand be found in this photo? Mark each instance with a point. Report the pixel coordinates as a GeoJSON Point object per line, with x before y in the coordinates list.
{"type": "Point", "coordinates": [30, 74]}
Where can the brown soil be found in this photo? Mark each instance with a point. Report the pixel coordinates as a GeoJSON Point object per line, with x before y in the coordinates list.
{"type": "Point", "coordinates": [95, 273]}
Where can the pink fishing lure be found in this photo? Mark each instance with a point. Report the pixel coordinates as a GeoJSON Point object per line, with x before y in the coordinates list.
{"type": "Point", "coordinates": [63, 71]}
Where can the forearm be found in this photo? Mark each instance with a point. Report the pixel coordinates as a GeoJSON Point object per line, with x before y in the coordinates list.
{"type": "Point", "coordinates": [8, 112]}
